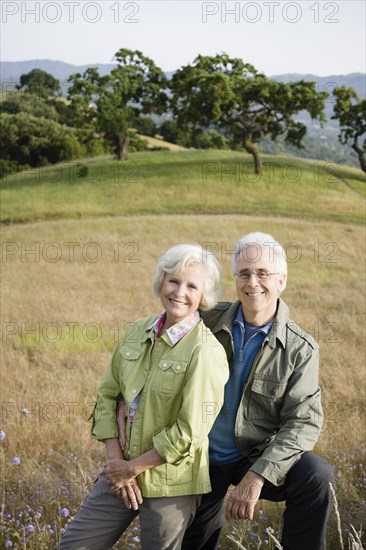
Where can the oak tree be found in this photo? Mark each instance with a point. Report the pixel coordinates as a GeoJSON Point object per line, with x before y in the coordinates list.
{"type": "Point", "coordinates": [40, 83]}
{"type": "Point", "coordinates": [107, 105]}
{"type": "Point", "coordinates": [350, 110]}
{"type": "Point", "coordinates": [245, 104]}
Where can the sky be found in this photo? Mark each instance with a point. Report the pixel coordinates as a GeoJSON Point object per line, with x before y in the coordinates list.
{"type": "Point", "coordinates": [277, 37]}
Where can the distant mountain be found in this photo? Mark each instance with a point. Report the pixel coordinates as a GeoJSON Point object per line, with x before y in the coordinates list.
{"type": "Point", "coordinates": [10, 72]}
{"type": "Point", "coordinates": [328, 83]}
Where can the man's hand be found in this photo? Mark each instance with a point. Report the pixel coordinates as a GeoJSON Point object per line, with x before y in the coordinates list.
{"type": "Point", "coordinates": [242, 500]}
{"type": "Point", "coordinates": [119, 473]}
{"type": "Point", "coordinates": [131, 495]}
{"type": "Point", "coordinates": [121, 421]}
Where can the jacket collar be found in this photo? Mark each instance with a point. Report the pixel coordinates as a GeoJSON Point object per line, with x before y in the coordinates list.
{"type": "Point", "coordinates": [226, 320]}
{"type": "Point", "coordinates": [278, 328]}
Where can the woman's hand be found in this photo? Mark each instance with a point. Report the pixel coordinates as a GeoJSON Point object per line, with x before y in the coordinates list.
{"type": "Point", "coordinates": [122, 482]}
{"type": "Point", "coordinates": [121, 473]}
{"type": "Point", "coordinates": [121, 421]}
{"type": "Point", "coordinates": [118, 473]}
{"type": "Point", "coordinates": [131, 495]}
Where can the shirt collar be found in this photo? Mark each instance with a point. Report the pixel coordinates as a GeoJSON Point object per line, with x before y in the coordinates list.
{"type": "Point", "coordinates": [225, 314]}
{"type": "Point", "coordinates": [177, 331]}
{"type": "Point", "coordinates": [239, 319]}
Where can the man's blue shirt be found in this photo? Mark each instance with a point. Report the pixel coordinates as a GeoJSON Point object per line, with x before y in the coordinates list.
{"type": "Point", "coordinates": [247, 340]}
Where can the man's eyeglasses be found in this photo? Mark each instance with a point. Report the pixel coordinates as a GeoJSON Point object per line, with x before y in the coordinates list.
{"type": "Point", "coordinates": [260, 274]}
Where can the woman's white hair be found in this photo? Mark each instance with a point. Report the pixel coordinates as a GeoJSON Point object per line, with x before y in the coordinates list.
{"type": "Point", "coordinates": [183, 255]}
{"type": "Point", "coordinates": [262, 241]}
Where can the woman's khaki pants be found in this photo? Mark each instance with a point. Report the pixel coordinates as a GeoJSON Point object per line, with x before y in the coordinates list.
{"type": "Point", "coordinates": [103, 518]}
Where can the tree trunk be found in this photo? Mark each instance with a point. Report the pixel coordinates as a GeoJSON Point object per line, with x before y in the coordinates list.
{"type": "Point", "coordinates": [360, 154]}
{"type": "Point", "coordinates": [122, 142]}
{"type": "Point", "coordinates": [252, 150]}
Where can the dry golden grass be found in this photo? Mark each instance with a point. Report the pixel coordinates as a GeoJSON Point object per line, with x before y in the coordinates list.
{"type": "Point", "coordinates": [61, 320]}
{"type": "Point", "coordinates": [159, 142]}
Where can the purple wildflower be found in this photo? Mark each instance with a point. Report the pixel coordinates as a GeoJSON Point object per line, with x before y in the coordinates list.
{"type": "Point", "coordinates": [16, 460]}
{"type": "Point", "coordinates": [64, 512]}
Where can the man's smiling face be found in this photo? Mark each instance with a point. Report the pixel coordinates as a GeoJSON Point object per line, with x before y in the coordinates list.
{"type": "Point", "coordinates": [258, 297]}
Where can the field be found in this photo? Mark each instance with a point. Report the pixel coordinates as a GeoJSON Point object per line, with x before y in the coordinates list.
{"type": "Point", "coordinates": [79, 244]}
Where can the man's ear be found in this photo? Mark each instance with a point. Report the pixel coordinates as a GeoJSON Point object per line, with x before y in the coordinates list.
{"type": "Point", "coordinates": [282, 280]}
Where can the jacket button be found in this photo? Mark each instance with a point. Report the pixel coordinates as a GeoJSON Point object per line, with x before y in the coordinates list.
{"type": "Point", "coordinates": [133, 391]}
{"type": "Point", "coordinates": [164, 364]}
{"type": "Point", "coordinates": [128, 353]}
{"type": "Point", "coordinates": [178, 367]}
{"type": "Point", "coordinates": [267, 440]}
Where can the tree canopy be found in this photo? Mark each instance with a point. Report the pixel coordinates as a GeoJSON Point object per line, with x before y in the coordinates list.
{"type": "Point", "coordinates": [27, 140]}
{"type": "Point", "coordinates": [215, 102]}
{"type": "Point", "coordinates": [350, 110]}
{"type": "Point", "coordinates": [245, 104]}
{"type": "Point", "coordinates": [107, 105]}
{"type": "Point", "coordinates": [31, 104]}
{"type": "Point", "coordinates": [40, 83]}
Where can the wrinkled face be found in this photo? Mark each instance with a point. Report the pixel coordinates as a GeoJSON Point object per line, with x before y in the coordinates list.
{"type": "Point", "coordinates": [181, 292]}
{"type": "Point", "coordinates": [258, 296]}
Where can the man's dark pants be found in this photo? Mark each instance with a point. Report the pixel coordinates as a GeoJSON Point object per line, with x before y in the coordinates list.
{"type": "Point", "coordinates": [305, 490]}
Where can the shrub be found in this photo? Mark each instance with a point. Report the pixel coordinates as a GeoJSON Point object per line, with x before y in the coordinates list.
{"type": "Point", "coordinates": [29, 140]}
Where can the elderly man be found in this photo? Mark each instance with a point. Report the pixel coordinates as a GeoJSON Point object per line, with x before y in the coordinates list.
{"type": "Point", "coordinates": [262, 439]}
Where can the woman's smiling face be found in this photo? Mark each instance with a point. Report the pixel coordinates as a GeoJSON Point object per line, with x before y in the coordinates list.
{"type": "Point", "coordinates": [181, 293]}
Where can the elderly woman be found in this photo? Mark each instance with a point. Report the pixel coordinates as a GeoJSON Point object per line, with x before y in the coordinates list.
{"type": "Point", "coordinates": [170, 371]}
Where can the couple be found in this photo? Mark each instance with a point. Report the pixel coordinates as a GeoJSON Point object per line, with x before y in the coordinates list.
{"type": "Point", "coordinates": [182, 450]}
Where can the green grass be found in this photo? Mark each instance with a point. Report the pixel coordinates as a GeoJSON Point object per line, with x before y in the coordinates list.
{"type": "Point", "coordinates": [53, 289]}
{"type": "Point", "coordinates": [195, 182]}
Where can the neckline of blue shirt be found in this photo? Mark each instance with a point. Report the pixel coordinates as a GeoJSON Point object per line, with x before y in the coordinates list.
{"type": "Point", "coordinates": [239, 318]}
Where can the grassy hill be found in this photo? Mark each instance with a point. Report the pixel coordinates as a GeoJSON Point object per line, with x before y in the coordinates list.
{"type": "Point", "coordinates": [201, 182]}
{"type": "Point", "coordinates": [78, 253]}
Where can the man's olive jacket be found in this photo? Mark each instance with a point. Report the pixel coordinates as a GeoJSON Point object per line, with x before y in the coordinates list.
{"type": "Point", "coordinates": [280, 414]}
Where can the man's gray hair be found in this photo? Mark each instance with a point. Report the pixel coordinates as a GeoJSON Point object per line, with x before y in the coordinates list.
{"type": "Point", "coordinates": [183, 255]}
{"type": "Point", "coordinates": [262, 241]}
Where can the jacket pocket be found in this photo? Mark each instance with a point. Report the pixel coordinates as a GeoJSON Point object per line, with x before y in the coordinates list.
{"type": "Point", "coordinates": [129, 358]}
{"type": "Point", "coordinates": [269, 389]}
{"type": "Point", "coordinates": [169, 377]}
{"type": "Point", "coordinates": [265, 401]}
{"type": "Point", "coordinates": [173, 474]}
